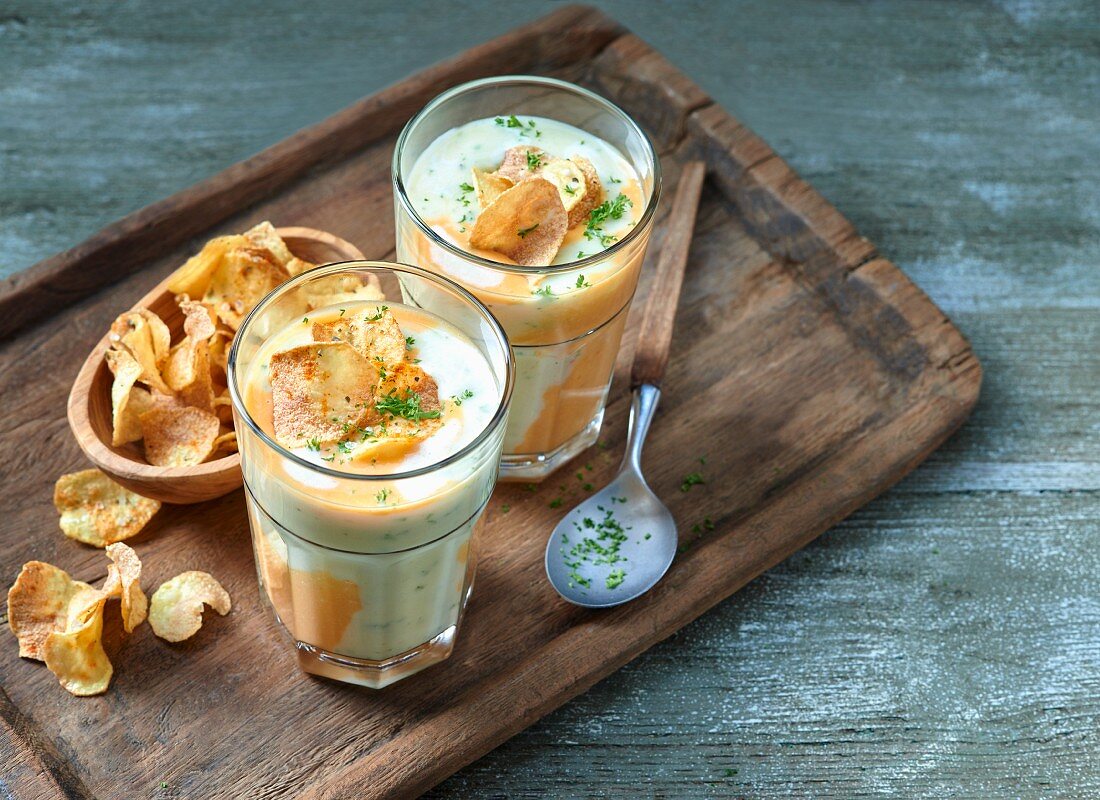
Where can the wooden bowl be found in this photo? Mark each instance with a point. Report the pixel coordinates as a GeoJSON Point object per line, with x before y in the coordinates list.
{"type": "Point", "coordinates": [90, 398]}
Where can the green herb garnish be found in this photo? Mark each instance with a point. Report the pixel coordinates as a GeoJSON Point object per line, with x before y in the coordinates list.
{"type": "Point", "coordinates": [615, 578]}
{"type": "Point", "coordinates": [582, 283]}
{"type": "Point", "coordinates": [533, 160]}
{"type": "Point", "coordinates": [382, 495]}
{"type": "Point", "coordinates": [380, 311]}
{"type": "Point", "coordinates": [524, 231]}
{"type": "Point", "coordinates": [691, 479]}
{"type": "Point", "coordinates": [407, 407]}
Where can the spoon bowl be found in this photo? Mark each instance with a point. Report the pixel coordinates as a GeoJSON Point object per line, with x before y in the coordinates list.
{"type": "Point", "coordinates": [89, 407]}
{"type": "Point", "coordinates": [626, 518]}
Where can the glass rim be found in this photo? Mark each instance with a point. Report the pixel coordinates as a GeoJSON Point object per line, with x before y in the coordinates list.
{"type": "Point", "coordinates": [504, 80]}
{"type": "Point", "coordinates": [341, 266]}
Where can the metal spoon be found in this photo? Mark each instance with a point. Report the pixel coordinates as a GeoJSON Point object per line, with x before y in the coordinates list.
{"type": "Point", "coordinates": [618, 543]}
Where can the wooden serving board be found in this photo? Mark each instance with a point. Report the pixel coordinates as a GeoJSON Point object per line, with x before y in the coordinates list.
{"type": "Point", "coordinates": [807, 370]}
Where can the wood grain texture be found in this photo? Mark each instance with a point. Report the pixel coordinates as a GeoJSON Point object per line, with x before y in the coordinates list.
{"type": "Point", "coordinates": [659, 314]}
{"type": "Point", "coordinates": [841, 672]}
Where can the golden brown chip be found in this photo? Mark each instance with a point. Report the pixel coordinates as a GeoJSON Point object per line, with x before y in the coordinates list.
{"type": "Point", "coordinates": [193, 278]}
{"type": "Point", "coordinates": [527, 224]}
{"type": "Point", "coordinates": [200, 321]}
{"type": "Point", "coordinates": [97, 511]}
{"type": "Point", "coordinates": [123, 578]}
{"type": "Point", "coordinates": [127, 400]}
{"type": "Point", "coordinates": [178, 436]}
{"type": "Point", "coordinates": [263, 235]}
{"type": "Point", "coordinates": [490, 186]}
{"type": "Point", "coordinates": [407, 410]}
{"type": "Point", "coordinates": [41, 601]}
{"type": "Point", "coordinates": [319, 392]}
{"type": "Point", "coordinates": [522, 162]}
{"type": "Point", "coordinates": [76, 655]}
{"type": "Point", "coordinates": [175, 611]}
{"type": "Point", "coordinates": [591, 193]}
{"type": "Point", "coordinates": [188, 373]}
{"type": "Point", "coordinates": [373, 332]}
{"type": "Point", "coordinates": [240, 280]}
{"type": "Point", "coordinates": [142, 334]}
{"type": "Point", "coordinates": [297, 266]}
{"type": "Point", "coordinates": [227, 441]}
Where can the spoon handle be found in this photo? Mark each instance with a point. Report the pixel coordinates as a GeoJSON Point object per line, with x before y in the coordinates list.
{"type": "Point", "coordinates": [655, 336]}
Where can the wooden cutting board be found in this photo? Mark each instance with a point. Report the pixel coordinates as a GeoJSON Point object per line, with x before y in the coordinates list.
{"type": "Point", "coordinates": [807, 371]}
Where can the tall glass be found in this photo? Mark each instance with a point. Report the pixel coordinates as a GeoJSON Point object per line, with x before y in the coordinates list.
{"type": "Point", "coordinates": [369, 591]}
{"type": "Point", "coordinates": [565, 341]}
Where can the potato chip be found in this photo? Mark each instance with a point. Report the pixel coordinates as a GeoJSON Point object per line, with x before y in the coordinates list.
{"type": "Point", "coordinates": [41, 601]}
{"type": "Point", "coordinates": [76, 655]}
{"type": "Point", "coordinates": [373, 332]}
{"type": "Point", "coordinates": [263, 235]}
{"type": "Point", "coordinates": [527, 224]}
{"type": "Point", "coordinates": [188, 373]}
{"type": "Point", "coordinates": [591, 194]}
{"type": "Point", "coordinates": [193, 278]}
{"type": "Point", "coordinates": [407, 404]}
{"type": "Point", "coordinates": [297, 266]}
{"type": "Point", "coordinates": [240, 280]}
{"type": "Point", "coordinates": [97, 511]}
{"type": "Point", "coordinates": [178, 436]}
{"type": "Point", "coordinates": [123, 582]}
{"type": "Point", "coordinates": [127, 400]}
{"type": "Point", "coordinates": [175, 612]}
{"type": "Point", "coordinates": [227, 441]}
{"type": "Point", "coordinates": [319, 392]}
{"type": "Point", "coordinates": [142, 334]}
{"type": "Point", "coordinates": [522, 162]}
{"type": "Point", "coordinates": [490, 186]}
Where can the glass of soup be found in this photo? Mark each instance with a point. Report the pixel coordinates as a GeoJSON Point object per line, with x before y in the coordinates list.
{"type": "Point", "coordinates": [467, 172]}
{"type": "Point", "coordinates": [371, 401]}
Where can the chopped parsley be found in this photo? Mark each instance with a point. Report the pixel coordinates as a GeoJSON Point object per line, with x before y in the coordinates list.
{"type": "Point", "coordinates": [511, 122]}
{"type": "Point", "coordinates": [345, 447]}
{"type": "Point", "coordinates": [582, 283]}
{"type": "Point", "coordinates": [545, 291]}
{"type": "Point", "coordinates": [691, 479]}
{"type": "Point", "coordinates": [524, 231]}
{"type": "Point", "coordinates": [305, 320]}
{"type": "Point", "coordinates": [410, 343]}
{"type": "Point", "coordinates": [601, 543]}
{"type": "Point", "coordinates": [382, 495]}
{"type": "Point", "coordinates": [569, 189]}
{"type": "Point", "coordinates": [465, 187]}
{"type": "Point", "coordinates": [608, 209]}
{"type": "Point", "coordinates": [407, 407]}
{"type": "Point", "coordinates": [458, 398]}
{"type": "Point", "coordinates": [379, 312]}
{"type": "Point", "coordinates": [615, 578]}
{"type": "Point", "coordinates": [533, 160]}
{"type": "Point", "coordinates": [314, 444]}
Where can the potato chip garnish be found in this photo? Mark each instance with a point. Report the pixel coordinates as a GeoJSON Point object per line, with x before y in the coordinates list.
{"type": "Point", "coordinates": [373, 332]}
{"type": "Point", "coordinates": [406, 407]}
{"type": "Point", "coordinates": [522, 162]}
{"type": "Point", "coordinates": [76, 655]}
{"type": "Point", "coordinates": [175, 612]}
{"type": "Point", "coordinates": [97, 511]}
{"type": "Point", "coordinates": [41, 601]}
{"type": "Point", "coordinates": [320, 392]}
{"type": "Point", "coordinates": [123, 582]}
{"type": "Point", "coordinates": [527, 224]}
{"type": "Point", "coordinates": [227, 441]}
{"type": "Point", "coordinates": [490, 186]}
{"type": "Point", "coordinates": [592, 192]}
{"type": "Point", "coordinates": [127, 400]}
{"type": "Point", "coordinates": [177, 435]}
{"type": "Point", "coordinates": [240, 280]}
{"type": "Point", "coordinates": [145, 337]}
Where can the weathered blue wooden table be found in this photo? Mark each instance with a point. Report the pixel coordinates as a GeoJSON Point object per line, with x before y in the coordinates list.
{"type": "Point", "coordinates": [945, 640]}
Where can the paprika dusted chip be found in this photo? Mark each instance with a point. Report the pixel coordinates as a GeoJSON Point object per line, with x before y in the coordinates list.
{"type": "Point", "coordinates": [527, 224]}
{"type": "Point", "coordinates": [76, 655]}
{"type": "Point", "coordinates": [587, 197]}
{"type": "Point", "coordinates": [490, 186]}
{"type": "Point", "coordinates": [127, 400]}
{"type": "Point", "coordinates": [177, 435]}
{"type": "Point", "coordinates": [123, 582]}
{"type": "Point", "coordinates": [97, 511]}
{"type": "Point", "coordinates": [319, 392]}
{"type": "Point", "coordinates": [243, 276]}
{"type": "Point", "coordinates": [522, 162]}
{"type": "Point", "coordinates": [374, 333]}
{"type": "Point", "coordinates": [407, 410]}
{"type": "Point", "coordinates": [41, 601]}
{"type": "Point", "coordinates": [175, 612]}
{"type": "Point", "coordinates": [143, 335]}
